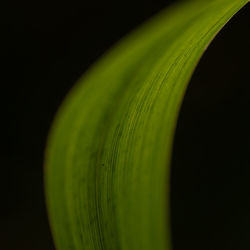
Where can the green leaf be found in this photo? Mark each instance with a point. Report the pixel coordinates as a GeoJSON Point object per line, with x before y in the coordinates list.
{"type": "Point", "coordinates": [109, 150]}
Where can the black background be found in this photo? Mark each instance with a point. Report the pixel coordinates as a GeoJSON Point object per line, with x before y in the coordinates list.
{"type": "Point", "coordinates": [48, 45]}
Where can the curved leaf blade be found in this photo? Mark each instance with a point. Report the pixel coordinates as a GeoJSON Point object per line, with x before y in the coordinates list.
{"type": "Point", "coordinates": [109, 151]}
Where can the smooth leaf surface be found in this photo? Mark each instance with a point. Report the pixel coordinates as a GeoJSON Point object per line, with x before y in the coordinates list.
{"type": "Point", "coordinates": [109, 151]}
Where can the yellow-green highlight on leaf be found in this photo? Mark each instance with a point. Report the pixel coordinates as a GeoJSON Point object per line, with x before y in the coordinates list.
{"type": "Point", "coordinates": [109, 150]}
